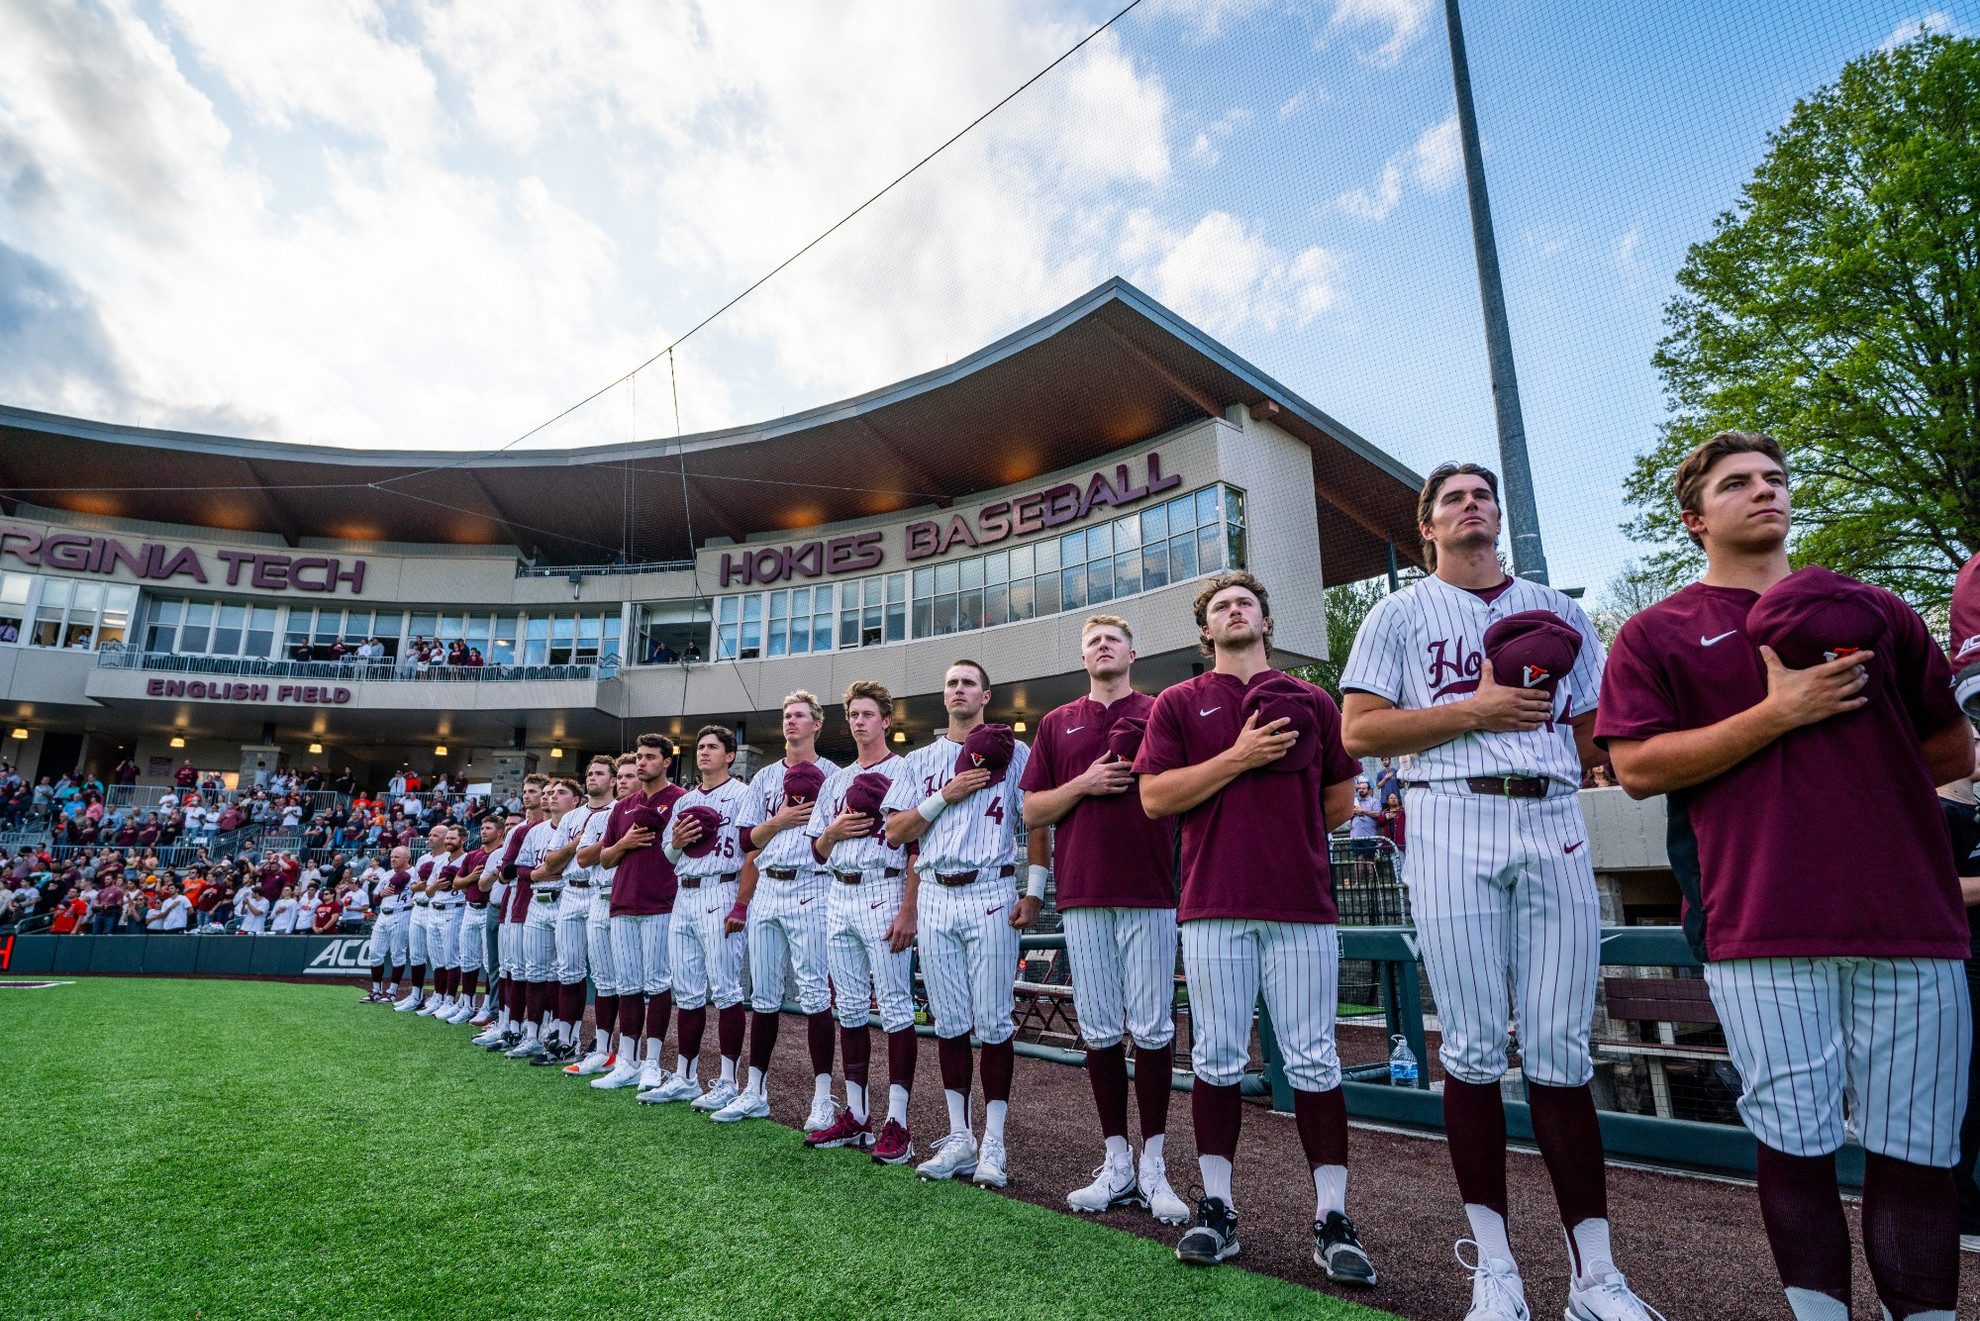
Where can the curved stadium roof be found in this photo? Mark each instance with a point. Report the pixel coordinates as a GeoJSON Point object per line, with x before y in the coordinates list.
{"type": "Point", "coordinates": [1108, 370]}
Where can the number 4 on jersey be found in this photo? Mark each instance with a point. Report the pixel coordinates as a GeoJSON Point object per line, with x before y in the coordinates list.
{"type": "Point", "coordinates": [995, 812]}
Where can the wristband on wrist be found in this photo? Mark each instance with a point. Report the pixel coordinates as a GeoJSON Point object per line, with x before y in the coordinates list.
{"type": "Point", "coordinates": [1034, 882]}
{"type": "Point", "coordinates": [674, 855]}
{"type": "Point", "coordinates": [739, 912]}
{"type": "Point", "coordinates": [933, 806]}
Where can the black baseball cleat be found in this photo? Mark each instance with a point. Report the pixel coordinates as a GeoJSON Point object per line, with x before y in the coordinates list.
{"type": "Point", "coordinates": [1337, 1250]}
{"type": "Point", "coordinates": [1213, 1238]}
{"type": "Point", "coordinates": [508, 1041]}
{"type": "Point", "coordinates": [558, 1054]}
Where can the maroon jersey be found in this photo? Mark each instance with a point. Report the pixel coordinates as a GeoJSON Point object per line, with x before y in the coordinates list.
{"type": "Point", "coordinates": [1257, 849]}
{"type": "Point", "coordinates": [645, 883]}
{"type": "Point", "coordinates": [517, 906]}
{"type": "Point", "coordinates": [472, 866]}
{"type": "Point", "coordinates": [1106, 853]}
{"type": "Point", "coordinates": [1966, 615]}
{"type": "Point", "coordinates": [1827, 842]}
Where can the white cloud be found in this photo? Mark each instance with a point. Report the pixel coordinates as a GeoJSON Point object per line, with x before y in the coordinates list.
{"type": "Point", "coordinates": [1225, 276]}
{"type": "Point", "coordinates": [1434, 164]}
{"type": "Point", "coordinates": [1402, 20]}
{"type": "Point", "coordinates": [1937, 21]}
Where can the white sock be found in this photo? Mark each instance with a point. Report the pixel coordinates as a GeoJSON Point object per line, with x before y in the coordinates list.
{"type": "Point", "coordinates": [1329, 1190]}
{"type": "Point", "coordinates": [1117, 1149]}
{"type": "Point", "coordinates": [821, 1087]}
{"type": "Point", "coordinates": [856, 1102]}
{"type": "Point", "coordinates": [993, 1119]}
{"type": "Point", "coordinates": [529, 1031]}
{"type": "Point", "coordinates": [728, 1069]}
{"type": "Point", "coordinates": [897, 1099]}
{"type": "Point", "coordinates": [755, 1084]}
{"type": "Point", "coordinates": [377, 987]}
{"type": "Point", "coordinates": [502, 1020]}
{"type": "Point", "coordinates": [1151, 1147]}
{"type": "Point", "coordinates": [652, 1051]}
{"type": "Point", "coordinates": [689, 1069]}
{"type": "Point", "coordinates": [958, 1110]}
{"type": "Point", "coordinates": [1488, 1229]}
{"type": "Point", "coordinates": [1216, 1172]}
{"type": "Point", "coordinates": [1813, 1305]}
{"type": "Point", "coordinates": [1591, 1250]}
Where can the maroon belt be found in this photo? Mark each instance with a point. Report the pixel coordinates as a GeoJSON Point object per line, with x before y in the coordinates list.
{"type": "Point", "coordinates": [956, 878]}
{"type": "Point", "coordinates": [855, 877]}
{"type": "Point", "coordinates": [1509, 786]}
{"type": "Point", "coordinates": [696, 882]}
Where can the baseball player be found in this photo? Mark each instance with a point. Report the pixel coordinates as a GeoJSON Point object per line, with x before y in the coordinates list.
{"type": "Point", "coordinates": [1485, 685]}
{"type": "Point", "coordinates": [434, 873]}
{"type": "Point", "coordinates": [959, 797]}
{"type": "Point", "coordinates": [1117, 903]}
{"type": "Point", "coordinates": [536, 942]}
{"type": "Point", "coordinates": [495, 1018]}
{"type": "Point", "coordinates": [1799, 723]}
{"type": "Point", "coordinates": [598, 923]}
{"type": "Point", "coordinates": [421, 944]}
{"type": "Point", "coordinates": [514, 901]}
{"type": "Point", "coordinates": [574, 910]}
{"type": "Point", "coordinates": [644, 889]}
{"type": "Point", "coordinates": [474, 1008]}
{"type": "Point", "coordinates": [388, 931]}
{"type": "Point", "coordinates": [1965, 637]}
{"type": "Point", "coordinates": [868, 950]}
{"type": "Point", "coordinates": [1244, 753]}
{"type": "Point", "coordinates": [785, 901]}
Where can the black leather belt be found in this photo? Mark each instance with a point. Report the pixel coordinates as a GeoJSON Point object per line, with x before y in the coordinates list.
{"type": "Point", "coordinates": [475, 906]}
{"type": "Point", "coordinates": [696, 882]}
{"type": "Point", "coordinates": [956, 878]}
{"type": "Point", "coordinates": [579, 885]}
{"type": "Point", "coordinates": [781, 873]}
{"type": "Point", "coordinates": [1509, 786]}
{"type": "Point", "coordinates": [855, 877]}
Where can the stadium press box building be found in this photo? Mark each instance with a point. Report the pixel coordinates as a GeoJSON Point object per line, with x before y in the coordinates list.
{"type": "Point", "coordinates": [167, 596]}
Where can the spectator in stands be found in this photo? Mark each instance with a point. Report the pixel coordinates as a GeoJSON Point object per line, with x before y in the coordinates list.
{"type": "Point", "coordinates": [1364, 829]}
{"type": "Point", "coordinates": [127, 771]}
{"type": "Point", "coordinates": [175, 911]}
{"type": "Point", "coordinates": [185, 777]}
{"type": "Point", "coordinates": [327, 916]}
{"type": "Point", "coordinates": [661, 654]}
{"type": "Point", "coordinates": [282, 917]}
{"type": "Point", "coordinates": [1393, 826]}
{"type": "Point", "coordinates": [108, 909]}
{"type": "Point", "coordinates": [693, 652]}
{"type": "Point", "coordinates": [1387, 781]}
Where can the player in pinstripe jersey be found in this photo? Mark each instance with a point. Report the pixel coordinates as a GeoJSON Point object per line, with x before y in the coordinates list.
{"type": "Point", "coordinates": [448, 905]}
{"type": "Point", "coordinates": [474, 922]}
{"type": "Point", "coordinates": [388, 932]}
{"type": "Point", "coordinates": [599, 954]}
{"type": "Point", "coordinates": [1798, 722]}
{"type": "Point", "coordinates": [537, 940]}
{"type": "Point", "coordinates": [422, 941]}
{"type": "Point", "coordinates": [966, 910]}
{"type": "Point", "coordinates": [644, 889]}
{"type": "Point", "coordinates": [1244, 753]}
{"type": "Point", "coordinates": [709, 856]}
{"type": "Point", "coordinates": [785, 901]}
{"type": "Point", "coordinates": [1499, 877]}
{"type": "Point", "coordinates": [868, 949]}
{"type": "Point", "coordinates": [511, 899]}
{"type": "Point", "coordinates": [573, 917]}
{"type": "Point", "coordinates": [1117, 900]}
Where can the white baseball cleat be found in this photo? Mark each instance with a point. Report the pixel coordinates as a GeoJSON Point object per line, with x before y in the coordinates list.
{"type": "Point", "coordinates": [1113, 1185]}
{"type": "Point", "coordinates": [990, 1164]}
{"type": "Point", "coordinates": [463, 1012]}
{"type": "Point", "coordinates": [1497, 1294]}
{"type": "Point", "coordinates": [432, 1007]}
{"type": "Point", "coordinates": [746, 1105]}
{"type": "Point", "coordinates": [1607, 1298]}
{"type": "Point", "coordinates": [594, 1063]}
{"type": "Point", "coordinates": [624, 1074]}
{"type": "Point", "coordinates": [527, 1048]}
{"type": "Point", "coordinates": [489, 1036]}
{"type": "Point", "coordinates": [723, 1092]}
{"type": "Point", "coordinates": [673, 1087]}
{"type": "Point", "coordinates": [1153, 1179]}
{"type": "Point", "coordinates": [482, 1017]}
{"type": "Point", "coordinates": [651, 1075]}
{"type": "Point", "coordinates": [955, 1156]}
{"type": "Point", "coordinates": [823, 1115]}
{"type": "Point", "coordinates": [407, 1005]}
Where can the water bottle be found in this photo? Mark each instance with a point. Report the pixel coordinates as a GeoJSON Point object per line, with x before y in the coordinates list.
{"type": "Point", "coordinates": [1402, 1063]}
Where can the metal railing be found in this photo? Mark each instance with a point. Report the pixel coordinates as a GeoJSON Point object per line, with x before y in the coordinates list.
{"type": "Point", "coordinates": [113, 657]}
{"type": "Point", "coordinates": [601, 570]}
{"type": "Point", "coordinates": [155, 798]}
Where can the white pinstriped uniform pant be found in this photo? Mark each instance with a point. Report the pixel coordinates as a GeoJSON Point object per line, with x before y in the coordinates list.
{"type": "Point", "coordinates": [969, 955]}
{"type": "Point", "coordinates": [1123, 971]}
{"type": "Point", "coordinates": [598, 942]}
{"type": "Point", "coordinates": [443, 934]}
{"type": "Point", "coordinates": [473, 938]}
{"type": "Point", "coordinates": [1509, 927]}
{"type": "Point", "coordinates": [573, 933]}
{"type": "Point", "coordinates": [538, 941]}
{"type": "Point", "coordinates": [418, 930]}
{"type": "Point", "coordinates": [705, 960]}
{"type": "Point", "coordinates": [788, 916]}
{"type": "Point", "coordinates": [864, 970]}
{"type": "Point", "coordinates": [508, 949]}
{"type": "Point", "coordinates": [1296, 966]}
{"type": "Point", "coordinates": [639, 952]}
{"type": "Point", "coordinates": [1892, 1035]}
{"type": "Point", "coordinates": [388, 939]}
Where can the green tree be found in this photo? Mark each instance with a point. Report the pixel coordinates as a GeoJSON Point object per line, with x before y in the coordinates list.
{"type": "Point", "coordinates": [1838, 309]}
{"type": "Point", "coordinates": [1347, 605]}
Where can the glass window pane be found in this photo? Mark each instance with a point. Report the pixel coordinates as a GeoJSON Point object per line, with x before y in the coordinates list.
{"type": "Point", "coordinates": [424, 625]}
{"type": "Point", "coordinates": [14, 591]}
{"type": "Point", "coordinates": [505, 629]}
{"type": "Point", "coordinates": [450, 627]}
{"type": "Point", "coordinates": [1209, 549]}
{"type": "Point", "coordinates": [1182, 558]}
{"type": "Point", "coordinates": [945, 614]}
{"type": "Point", "coordinates": [1127, 573]}
{"type": "Point", "coordinates": [822, 600]}
{"type": "Point", "coordinates": [1155, 524]}
{"type": "Point", "coordinates": [1072, 549]}
{"type": "Point", "coordinates": [1047, 589]}
{"type": "Point", "coordinates": [947, 579]}
{"type": "Point", "coordinates": [800, 601]}
{"type": "Point", "coordinates": [162, 612]}
{"type": "Point", "coordinates": [1023, 599]}
{"type": "Point", "coordinates": [780, 605]}
{"type": "Point", "coordinates": [159, 637]}
{"type": "Point", "coordinates": [329, 626]}
{"type": "Point", "coordinates": [821, 631]}
{"type": "Point", "coordinates": [1182, 514]}
{"type": "Point", "coordinates": [477, 634]}
{"type": "Point", "coordinates": [1072, 587]}
{"type": "Point", "coordinates": [1127, 533]}
{"type": "Point", "coordinates": [1155, 566]}
{"type": "Point", "coordinates": [924, 583]}
{"type": "Point", "coordinates": [750, 644]}
{"type": "Point", "coordinates": [261, 631]}
{"type": "Point", "coordinates": [1099, 582]}
{"type": "Point", "coordinates": [1234, 539]}
{"type": "Point", "coordinates": [357, 625]}
{"type": "Point", "coordinates": [970, 613]}
{"type": "Point", "coordinates": [729, 609]}
{"type": "Point", "coordinates": [779, 636]}
{"type": "Point", "coordinates": [972, 572]}
{"type": "Point", "coordinates": [1100, 542]}
{"type": "Point", "coordinates": [1022, 565]}
{"type": "Point", "coordinates": [996, 604]}
{"type": "Point", "coordinates": [1206, 506]}
{"type": "Point", "coordinates": [88, 599]}
{"type": "Point", "coordinates": [1234, 505]}
{"type": "Point", "coordinates": [55, 594]}
{"type": "Point", "coordinates": [725, 642]}
{"type": "Point", "coordinates": [1047, 552]}
{"type": "Point", "coordinates": [997, 568]}
{"type": "Point", "coordinates": [199, 617]}
{"type": "Point", "coordinates": [385, 626]}
{"type": "Point", "coordinates": [849, 620]}
{"type": "Point", "coordinates": [875, 588]}
{"type": "Point", "coordinates": [896, 621]}
{"type": "Point", "coordinates": [924, 617]}
{"type": "Point", "coordinates": [227, 637]}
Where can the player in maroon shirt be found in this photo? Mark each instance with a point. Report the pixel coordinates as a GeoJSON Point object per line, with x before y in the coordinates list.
{"type": "Point", "coordinates": [1251, 759]}
{"type": "Point", "coordinates": [1820, 887]}
{"type": "Point", "coordinates": [643, 892]}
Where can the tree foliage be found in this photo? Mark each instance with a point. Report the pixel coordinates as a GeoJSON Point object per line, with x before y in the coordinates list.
{"type": "Point", "coordinates": [1348, 605]}
{"type": "Point", "coordinates": [1838, 309]}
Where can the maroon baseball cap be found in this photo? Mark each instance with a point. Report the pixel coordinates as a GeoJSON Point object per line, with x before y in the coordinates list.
{"type": "Point", "coordinates": [649, 815]}
{"type": "Point", "coordinates": [1276, 695]}
{"type": "Point", "coordinates": [1532, 649]}
{"type": "Point", "coordinates": [988, 748]}
{"type": "Point", "coordinates": [711, 829]}
{"type": "Point", "coordinates": [1965, 640]}
{"type": "Point", "coordinates": [1124, 739]}
{"type": "Point", "coordinates": [1815, 615]}
{"type": "Point", "coordinates": [865, 794]}
{"type": "Point", "coordinates": [802, 782]}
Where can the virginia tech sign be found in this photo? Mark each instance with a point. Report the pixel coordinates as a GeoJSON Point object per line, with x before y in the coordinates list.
{"type": "Point", "coordinates": [74, 552]}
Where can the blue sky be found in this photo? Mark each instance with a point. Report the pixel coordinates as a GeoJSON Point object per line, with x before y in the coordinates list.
{"type": "Point", "coordinates": [437, 225]}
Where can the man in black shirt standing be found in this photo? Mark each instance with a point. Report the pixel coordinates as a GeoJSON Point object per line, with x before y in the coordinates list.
{"type": "Point", "coordinates": [1962, 815]}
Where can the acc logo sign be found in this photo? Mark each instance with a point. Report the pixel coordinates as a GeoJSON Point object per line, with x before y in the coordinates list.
{"type": "Point", "coordinates": [340, 957]}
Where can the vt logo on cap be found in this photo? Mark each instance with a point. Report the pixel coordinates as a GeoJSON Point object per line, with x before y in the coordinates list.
{"type": "Point", "coordinates": [988, 748]}
{"type": "Point", "coordinates": [1815, 615]}
{"type": "Point", "coordinates": [1533, 648]}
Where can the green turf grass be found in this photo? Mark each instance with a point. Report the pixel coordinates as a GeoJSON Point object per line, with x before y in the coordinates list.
{"type": "Point", "coordinates": [214, 1149]}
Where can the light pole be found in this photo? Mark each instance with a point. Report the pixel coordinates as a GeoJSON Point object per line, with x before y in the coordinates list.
{"type": "Point", "coordinates": [1515, 474]}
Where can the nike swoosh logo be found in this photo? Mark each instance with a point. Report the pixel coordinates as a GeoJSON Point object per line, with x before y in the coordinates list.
{"type": "Point", "coordinates": [1075, 729]}
{"type": "Point", "coordinates": [876, 903]}
{"type": "Point", "coordinates": [1572, 847]}
{"type": "Point", "coordinates": [803, 902]}
{"type": "Point", "coordinates": [990, 911]}
{"type": "Point", "coordinates": [1706, 642]}
{"type": "Point", "coordinates": [713, 909]}
{"type": "Point", "coordinates": [1212, 709]}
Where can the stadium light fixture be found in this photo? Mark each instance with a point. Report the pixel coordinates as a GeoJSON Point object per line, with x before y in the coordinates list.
{"type": "Point", "coordinates": [556, 754]}
{"type": "Point", "coordinates": [1018, 726]}
{"type": "Point", "coordinates": [20, 732]}
{"type": "Point", "coordinates": [440, 750]}
{"type": "Point", "coordinates": [316, 747]}
{"type": "Point", "coordinates": [900, 736]}
{"type": "Point", "coordinates": [178, 741]}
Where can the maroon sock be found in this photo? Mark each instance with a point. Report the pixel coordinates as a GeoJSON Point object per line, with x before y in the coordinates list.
{"type": "Point", "coordinates": [692, 1026]}
{"type": "Point", "coordinates": [419, 976]}
{"type": "Point", "coordinates": [730, 1025]}
{"type": "Point", "coordinates": [378, 973]}
{"type": "Point", "coordinates": [1802, 1210]}
{"type": "Point", "coordinates": [570, 1004]}
{"type": "Point", "coordinates": [1911, 1235]}
{"type": "Point", "coordinates": [1106, 1073]}
{"type": "Point", "coordinates": [657, 1009]}
{"type": "Point", "coordinates": [953, 1053]}
{"type": "Point", "coordinates": [856, 1045]}
{"type": "Point", "coordinates": [518, 1001]}
{"type": "Point", "coordinates": [1321, 1118]}
{"type": "Point", "coordinates": [818, 1037]}
{"type": "Point", "coordinates": [632, 1013]}
{"type": "Point", "coordinates": [453, 981]}
{"type": "Point", "coordinates": [604, 1017]}
{"type": "Point", "coordinates": [1570, 1138]}
{"type": "Point", "coordinates": [439, 981]}
{"type": "Point", "coordinates": [1475, 1124]}
{"type": "Point", "coordinates": [470, 981]}
{"type": "Point", "coordinates": [903, 1047]}
{"type": "Point", "coordinates": [398, 974]}
{"type": "Point", "coordinates": [762, 1039]}
{"type": "Point", "coordinates": [1217, 1113]}
{"type": "Point", "coordinates": [535, 995]}
{"type": "Point", "coordinates": [999, 1063]}
{"type": "Point", "coordinates": [1154, 1085]}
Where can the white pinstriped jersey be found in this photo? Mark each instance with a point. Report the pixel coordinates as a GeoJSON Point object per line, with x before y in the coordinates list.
{"type": "Point", "coordinates": [976, 833]}
{"type": "Point", "coordinates": [430, 866]}
{"type": "Point", "coordinates": [594, 833]}
{"type": "Point", "coordinates": [867, 852]}
{"type": "Point", "coordinates": [572, 827]}
{"type": "Point", "coordinates": [789, 848]}
{"type": "Point", "coordinates": [1425, 645]}
{"type": "Point", "coordinates": [536, 842]}
{"type": "Point", "coordinates": [726, 798]}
